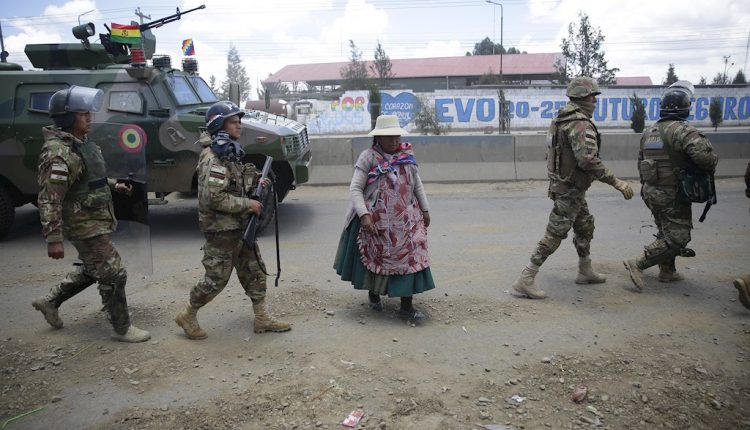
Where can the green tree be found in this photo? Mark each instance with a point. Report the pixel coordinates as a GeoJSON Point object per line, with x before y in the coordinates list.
{"type": "Point", "coordinates": [583, 54]}
{"type": "Point", "coordinates": [489, 78]}
{"type": "Point", "coordinates": [236, 74]}
{"type": "Point", "coordinates": [381, 67]}
{"type": "Point", "coordinates": [426, 119]}
{"type": "Point", "coordinates": [374, 103]}
{"type": "Point", "coordinates": [212, 85]}
{"type": "Point", "coordinates": [502, 113]}
{"type": "Point", "coordinates": [271, 88]}
{"type": "Point", "coordinates": [715, 113]}
{"type": "Point", "coordinates": [720, 79]}
{"type": "Point", "coordinates": [638, 119]}
{"type": "Point", "coordinates": [739, 78]}
{"type": "Point", "coordinates": [487, 47]}
{"type": "Point", "coordinates": [671, 77]}
{"type": "Point", "coordinates": [702, 81]}
{"type": "Point", "coordinates": [354, 74]}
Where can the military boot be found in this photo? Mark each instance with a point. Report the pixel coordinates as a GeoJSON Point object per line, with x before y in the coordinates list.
{"type": "Point", "coordinates": [49, 310]}
{"type": "Point", "coordinates": [187, 319]}
{"type": "Point", "coordinates": [586, 274]}
{"type": "Point", "coordinates": [668, 273]}
{"type": "Point", "coordinates": [133, 335]}
{"type": "Point", "coordinates": [636, 273]}
{"type": "Point", "coordinates": [525, 284]}
{"type": "Point", "coordinates": [265, 322]}
{"type": "Point", "coordinates": [742, 284]}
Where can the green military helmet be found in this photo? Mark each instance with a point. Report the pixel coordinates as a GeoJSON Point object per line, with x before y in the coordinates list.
{"type": "Point", "coordinates": [582, 86]}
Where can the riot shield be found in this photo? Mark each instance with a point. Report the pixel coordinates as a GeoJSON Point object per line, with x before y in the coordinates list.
{"type": "Point", "coordinates": [124, 149]}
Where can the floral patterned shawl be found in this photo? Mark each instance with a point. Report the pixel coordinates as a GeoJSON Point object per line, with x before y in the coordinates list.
{"type": "Point", "coordinates": [400, 247]}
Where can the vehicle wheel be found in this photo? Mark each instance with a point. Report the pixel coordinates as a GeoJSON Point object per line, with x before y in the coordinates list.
{"type": "Point", "coordinates": [266, 217]}
{"type": "Point", "coordinates": [7, 211]}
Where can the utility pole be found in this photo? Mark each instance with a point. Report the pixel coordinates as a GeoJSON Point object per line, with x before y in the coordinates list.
{"type": "Point", "coordinates": [502, 48]}
{"type": "Point", "coordinates": [747, 48]}
{"type": "Point", "coordinates": [141, 15]}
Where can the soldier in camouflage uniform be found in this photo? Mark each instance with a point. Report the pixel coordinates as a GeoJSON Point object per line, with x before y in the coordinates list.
{"type": "Point", "coordinates": [743, 282]}
{"type": "Point", "coordinates": [572, 163]}
{"type": "Point", "coordinates": [670, 145]}
{"type": "Point", "coordinates": [223, 212]}
{"type": "Point", "coordinates": [75, 203]}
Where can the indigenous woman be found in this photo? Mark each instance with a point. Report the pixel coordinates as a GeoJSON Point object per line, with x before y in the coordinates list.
{"type": "Point", "coordinates": [383, 248]}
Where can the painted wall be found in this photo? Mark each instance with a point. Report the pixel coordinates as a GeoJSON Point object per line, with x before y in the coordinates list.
{"type": "Point", "coordinates": [346, 115]}
{"type": "Point", "coordinates": [530, 108]}
{"type": "Point", "coordinates": [505, 157]}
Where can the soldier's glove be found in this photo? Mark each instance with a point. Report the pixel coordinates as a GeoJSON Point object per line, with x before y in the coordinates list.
{"type": "Point", "coordinates": [624, 188]}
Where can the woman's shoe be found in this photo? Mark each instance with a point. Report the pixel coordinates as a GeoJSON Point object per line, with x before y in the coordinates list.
{"type": "Point", "coordinates": [411, 314]}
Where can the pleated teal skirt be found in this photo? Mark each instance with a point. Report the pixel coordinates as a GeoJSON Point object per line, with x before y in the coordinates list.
{"type": "Point", "coordinates": [348, 265]}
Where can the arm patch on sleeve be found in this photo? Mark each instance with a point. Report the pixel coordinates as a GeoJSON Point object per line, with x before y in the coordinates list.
{"type": "Point", "coordinates": [217, 176]}
{"type": "Point", "coordinates": [58, 173]}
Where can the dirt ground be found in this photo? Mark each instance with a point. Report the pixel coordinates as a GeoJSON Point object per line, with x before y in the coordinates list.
{"type": "Point", "coordinates": [675, 356]}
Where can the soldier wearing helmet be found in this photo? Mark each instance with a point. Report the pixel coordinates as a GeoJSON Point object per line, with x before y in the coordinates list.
{"type": "Point", "coordinates": [668, 147]}
{"type": "Point", "coordinates": [75, 203]}
{"type": "Point", "coordinates": [573, 163]}
{"type": "Point", "coordinates": [223, 210]}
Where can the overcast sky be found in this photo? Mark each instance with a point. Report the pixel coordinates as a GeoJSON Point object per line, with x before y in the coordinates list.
{"type": "Point", "coordinates": [642, 36]}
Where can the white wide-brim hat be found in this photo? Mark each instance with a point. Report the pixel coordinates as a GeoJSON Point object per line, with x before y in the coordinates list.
{"type": "Point", "coordinates": [387, 125]}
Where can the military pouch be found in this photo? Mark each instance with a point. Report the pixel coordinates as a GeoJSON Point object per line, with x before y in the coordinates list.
{"type": "Point", "coordinates": [648, 171]}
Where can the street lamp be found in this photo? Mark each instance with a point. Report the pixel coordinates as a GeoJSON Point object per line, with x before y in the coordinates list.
{"type": "Point", "coordinates": [726, 70]}
{"type": "Point", "coordinates": [501, 36]}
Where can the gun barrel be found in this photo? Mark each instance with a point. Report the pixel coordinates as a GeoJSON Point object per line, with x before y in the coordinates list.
{"type": "Point", "coordinates": [167, 19]}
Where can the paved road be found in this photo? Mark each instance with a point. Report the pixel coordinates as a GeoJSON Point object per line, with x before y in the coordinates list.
{"type": "Point", "coordinates": [480, 239]}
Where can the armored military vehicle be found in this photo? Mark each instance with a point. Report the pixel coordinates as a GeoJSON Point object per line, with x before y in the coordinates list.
{"type": "Point", "coordinates": [149, 107]}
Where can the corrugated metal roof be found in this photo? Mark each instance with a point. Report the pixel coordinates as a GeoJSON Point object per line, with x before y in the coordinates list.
{"type": "Point", "coordinates": [475, 65]}
{"type": "Point", "coordinates": [633, 80]}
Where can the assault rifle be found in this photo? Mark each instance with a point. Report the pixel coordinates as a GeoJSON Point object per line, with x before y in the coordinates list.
{"type": "Point", "coordinates": [249, 236]}
{"type": "Point", "coordinates": [711, 200]}
{"type": "Point", "coordinates": [259, 194]}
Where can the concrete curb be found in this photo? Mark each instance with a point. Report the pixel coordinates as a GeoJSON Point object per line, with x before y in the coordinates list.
{"type": "Point", "coordinates": [466, 158]}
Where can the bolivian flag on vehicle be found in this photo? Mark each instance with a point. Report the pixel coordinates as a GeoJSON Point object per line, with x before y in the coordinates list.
{"type": "Point", "coordinates": [128, 34]}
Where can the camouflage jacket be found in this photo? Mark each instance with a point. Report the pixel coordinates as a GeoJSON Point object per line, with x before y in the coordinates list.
{"type": "Point", "coordinates": [577, 163]}
{"type": "Point", "coordinates": [74, 201]}
{"type": "Point", "coordinates": [222, 186]}
{"type": "Point", "coordinates": [689, 147]}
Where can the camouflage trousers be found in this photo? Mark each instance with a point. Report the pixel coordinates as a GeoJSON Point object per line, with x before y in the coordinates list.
{"type": "Point", "coordinates": [674, 219]}
{"type": "Point", "coordinates": [570, 211]}
{"type": "Point", "coordinates": [100, 263]}
{"type": "Point", "coordinates": [222, 252]}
